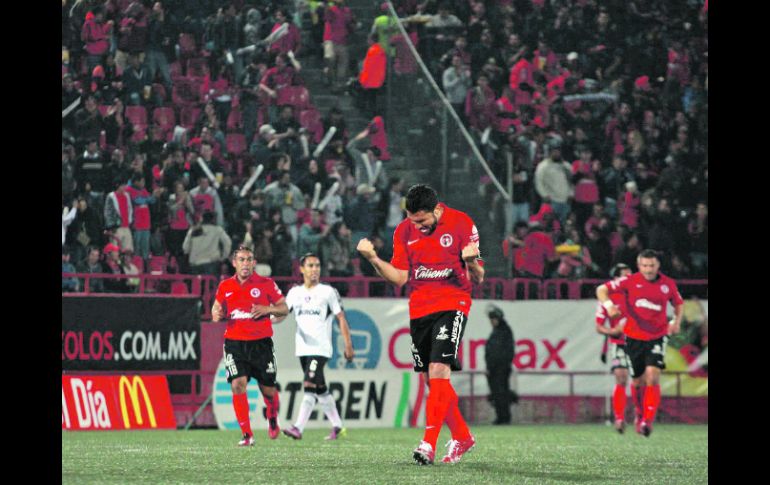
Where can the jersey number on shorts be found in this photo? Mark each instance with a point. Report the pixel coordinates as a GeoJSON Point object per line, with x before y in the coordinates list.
{"type": "Point", "coordinates": [230, 365]}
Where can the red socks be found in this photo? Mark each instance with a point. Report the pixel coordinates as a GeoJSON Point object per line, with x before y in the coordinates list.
{"type": "Point", "coordinates": [439, 399]}
{"type": "Point", "coordinates": [636, 396]}
{"type": "Point", "coordinates": [651, 402]}
{"type": "Point", "coordinates": [241, 406]}
{"type": "Point", "coordinates": [455, 421]}
{"type": "Point", "coordinates": [619, 401]}
{"type": "Point", "coordinates": [272, 405]}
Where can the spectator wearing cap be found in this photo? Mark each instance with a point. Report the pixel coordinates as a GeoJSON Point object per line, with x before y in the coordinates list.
{"type": "Point", "coordinates": [92, 264]}
{"type": "Point", "coordinates": [207, 246]}
{"type": "Point", "coordinates": [112, 264]}
{"type": "Point", "coordinates": [553, 182]}
{"type": "Point", "coordinates": [119, 213]}
{"type": "Point", "coordinates": [359, 214]}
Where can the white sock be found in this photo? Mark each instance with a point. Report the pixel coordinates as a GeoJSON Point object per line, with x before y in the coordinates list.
{"type": "Point", "coordinates": [308, 402]}
{"type": "Point", "coordinates": [329, 406]}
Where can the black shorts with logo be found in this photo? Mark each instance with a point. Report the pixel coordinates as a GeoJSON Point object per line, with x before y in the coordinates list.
{"type": "Point", "coordinates": [436, 338]}
{"type": "Point", "coordinates": [644, 353]}
{"type": "Point", "coordinates": [313, 367]}
{"type": "Point", "coordinates": [251, 358]}
{"type": "Point", "coordinates": [620, 358]}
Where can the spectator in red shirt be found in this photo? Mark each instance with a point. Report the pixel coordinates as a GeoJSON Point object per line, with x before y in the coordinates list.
{"type": "Point", "coordinates": [96, 36]}
{"type": "Point", "coordinates": [480, 105]}
{"type": "Point", "coordinates": [372, 75]}
{"type": "Point", "coordinates": [537, 253]}
{"type": "Point", "coordinates": [141, 200]}
{"type": "Point", "coordinates": [339, 24]}
{"type": "Point", "coordinates": [292, 41]}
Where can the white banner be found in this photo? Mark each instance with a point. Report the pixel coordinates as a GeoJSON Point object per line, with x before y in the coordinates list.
{"type": "Point", "coordinates": [379, 388]}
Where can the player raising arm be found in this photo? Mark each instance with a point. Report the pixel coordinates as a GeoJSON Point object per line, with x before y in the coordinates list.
{"type": "Point", "coordinates": [436, 251]}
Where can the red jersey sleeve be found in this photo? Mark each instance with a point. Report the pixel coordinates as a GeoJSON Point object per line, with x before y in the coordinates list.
{"type": "Point", "coordinates": [220, 296]}
{"type": "Point", "coordinates": [676, 297]}
{"type": "Point", "coordinates": [469, 233]}
{"type": "Point", "coordinates": [601, 314]}
{"type": "Point", "coordinates": [400, 258]}
{"type": "Point", "coordinates": [619, 285]}
{"type": "Point", "coordinates": [273, 292]}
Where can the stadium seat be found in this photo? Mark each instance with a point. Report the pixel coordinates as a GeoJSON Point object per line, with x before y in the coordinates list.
{"type": "Point", "coordinates": [175, 69]}
{"type": "Point", "coordinates": [186, 91]}
{"type": "Point", "coordinates": [234, 120]}
{"type": "Point", "coordinates": [140, 133]}
{"type": "Point", "coordinates": [197, 67]}
{"type": "Point", "coordinates": [158, 264]}
{"type": "Point", "coordinates": [296, 96]}
{"type": "Point", "coordinates": [236, 143]}
{"type": "Point", "coordinates": [179, 288]}
{"type": "Point", "coordinates": [165, 118]}
{"type": "Point", "coordinates": [310, 119]}
{"type": "Point", "coordinates": [137, 115]}
{"type": "Point", "coordinates": [138, 262]}
{"type": "Point", "coordinates": [188, 116]}
{"type": "Point", "coordinates": [159, 92]}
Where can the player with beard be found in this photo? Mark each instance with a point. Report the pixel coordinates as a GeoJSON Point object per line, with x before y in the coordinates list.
{"type": "Point", "coordinates": [435, 251]}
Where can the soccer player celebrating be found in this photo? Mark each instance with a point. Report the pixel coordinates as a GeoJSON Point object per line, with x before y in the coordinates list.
{"type": "Point", "coordinates": [620, 363]}
{"type": "Point", "coordinates": [647, 294]}
{"type": "Point", "coordinates": [435, 250]}
{"type": "Point", "coordinates": [246, 301]}
{"type": "Point", "coordinates": [315, 305]}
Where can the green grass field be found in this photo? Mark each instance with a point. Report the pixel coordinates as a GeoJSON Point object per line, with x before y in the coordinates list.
{"type": "Point", "coordinates": [584, 454]}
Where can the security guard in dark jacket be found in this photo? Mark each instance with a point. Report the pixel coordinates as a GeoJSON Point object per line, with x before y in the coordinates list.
{"type": "Point", "coordinates": [498, 353]}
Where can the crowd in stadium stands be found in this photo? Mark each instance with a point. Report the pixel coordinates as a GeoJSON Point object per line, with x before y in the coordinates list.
{"type": "Point", "coordinates": [184, 134]}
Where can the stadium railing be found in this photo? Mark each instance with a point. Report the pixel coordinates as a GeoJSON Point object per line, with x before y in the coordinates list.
{"type": "Point", "coordinates": [204, 286]}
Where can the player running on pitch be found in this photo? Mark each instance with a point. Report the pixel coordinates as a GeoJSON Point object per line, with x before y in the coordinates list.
{"type": "Point", "coordinates": [647, 328]}
{"type": "Point", "coordinates": [246, 301]}
{"type": "Point", "coordinates": [620, 363]}
{"type": "Point", "coordinates": [315, 305]}
{"type": "Point", "coordinates": [435, 250]}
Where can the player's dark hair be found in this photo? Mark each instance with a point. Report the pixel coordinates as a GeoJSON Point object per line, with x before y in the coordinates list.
{"type": "Point", "coordinates": [649, 253]}
{"type": "Point", "coordinates": [615, 271]}
{"type": "Point", "coordinates": [242, 248]}
{"type": "Point", "coordinates": [307, 255]}
{"type": "Point", "coordinates": [421, 197]}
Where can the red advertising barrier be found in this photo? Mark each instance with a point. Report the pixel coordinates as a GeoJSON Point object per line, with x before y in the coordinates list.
{"type": "Point", "coordinates": [90, 402]}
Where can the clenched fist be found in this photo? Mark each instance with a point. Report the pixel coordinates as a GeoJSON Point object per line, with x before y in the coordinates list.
{"type": "Point", "coordinates": [366, 248]}
{"type": "Point", "coordinates": [471, 252]}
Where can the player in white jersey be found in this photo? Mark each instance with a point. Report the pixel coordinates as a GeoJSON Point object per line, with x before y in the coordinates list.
{"type": "Point", "coordinates": [314, 306]}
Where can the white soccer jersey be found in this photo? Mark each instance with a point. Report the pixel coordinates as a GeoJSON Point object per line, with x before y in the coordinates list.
{"type": "Point", "coordinates": [314, 310]}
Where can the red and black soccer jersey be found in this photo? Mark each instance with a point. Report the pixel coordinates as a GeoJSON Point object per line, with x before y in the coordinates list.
{"type": "Point", "coordinates": [236, 300]}
{"type": "Point", "coordinates": [619, 299]}
{"type": "Point", "coordinates": [646, 303]}
{"type": "Point", "coordinates": [437, 273]}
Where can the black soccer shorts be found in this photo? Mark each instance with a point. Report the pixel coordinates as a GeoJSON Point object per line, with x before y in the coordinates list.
{"type": "Point", "coordinates": [313, 367]}
{"type": "Point", "coordinates": [436, 338]}
{"type": "Point", "coordinates": [251, 358]}
{"type": "Point", "coordinates": [644, 353]}
{"type": "Point", "coordinates": [620, 358]}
